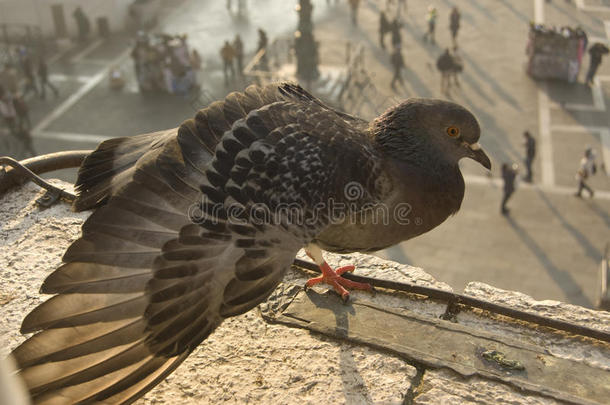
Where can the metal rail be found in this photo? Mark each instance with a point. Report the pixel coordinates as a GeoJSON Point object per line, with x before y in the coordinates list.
{"type": "Point", "coordinates": [28, 169]}
{"type": "Point", "coordinates": [455, 300]}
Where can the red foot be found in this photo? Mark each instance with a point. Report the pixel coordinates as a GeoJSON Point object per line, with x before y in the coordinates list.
{"type": "Point", "coordinates": [340, 284]}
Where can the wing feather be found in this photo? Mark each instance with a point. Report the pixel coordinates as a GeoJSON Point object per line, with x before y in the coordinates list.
{"type": "Point", "coordinates": [167, 258]}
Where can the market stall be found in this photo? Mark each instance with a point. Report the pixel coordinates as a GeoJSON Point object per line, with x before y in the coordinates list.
{"type": "Point", "coordinates": [163, 63]}
{"type": "Point", "coordinates": [555, 53]}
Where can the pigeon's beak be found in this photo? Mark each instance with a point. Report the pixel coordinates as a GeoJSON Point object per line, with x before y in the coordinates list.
{"type": "Point", "coordinates": [476, 153]}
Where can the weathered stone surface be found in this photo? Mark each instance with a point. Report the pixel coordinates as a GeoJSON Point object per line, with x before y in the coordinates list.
{"type": "Point", "coordinates": [247, 360]}
{"type": "Point", "coordinates": [560, 344]}
{"type": "Point", "coordinates": [553, 309]}
{"type": "Point", "coordinates": [244, 361]}
{"type": "Point", "coordinates": [448, 388]}
{"type": "Point", "coordinates": [32, 242]}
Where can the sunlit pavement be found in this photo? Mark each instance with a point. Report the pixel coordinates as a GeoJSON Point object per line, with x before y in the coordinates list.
{"type": "Point", "coordinates": [551, 244]}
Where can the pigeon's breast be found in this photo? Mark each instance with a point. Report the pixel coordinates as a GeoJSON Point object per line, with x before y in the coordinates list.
{"type": "Point", "coordinates": [409, 211]}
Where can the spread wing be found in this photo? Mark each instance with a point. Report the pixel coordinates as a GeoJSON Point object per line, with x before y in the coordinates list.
{"type": "Point", "coordinates": [194, 232]}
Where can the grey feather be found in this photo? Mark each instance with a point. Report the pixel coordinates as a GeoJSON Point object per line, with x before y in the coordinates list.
{"type": "Point", "coordinates": [175, 245]}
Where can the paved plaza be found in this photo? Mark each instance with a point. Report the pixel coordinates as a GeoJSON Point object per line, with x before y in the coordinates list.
{"type": "Point", "coordinates": [549, 247]}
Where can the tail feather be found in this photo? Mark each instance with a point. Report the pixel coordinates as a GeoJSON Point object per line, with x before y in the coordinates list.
{"type": "Point", "coordinates": [94, 390]}
{"type": "Point", "coordinates": [95, 278]}
{"type": "Point", "coordinates": [61, 344]}
{"type": "Point", "coordinates": [51, 376]}
{"type": "Point", "coordinates": [66, 310]}
{"type": "Point", "coordinates": [144, 285]}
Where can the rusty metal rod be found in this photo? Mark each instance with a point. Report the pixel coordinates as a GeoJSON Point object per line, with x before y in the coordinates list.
{"type": "Point", "coordinates": [460, 299]}
{"type": "Point", "coordinates": [28, 169]}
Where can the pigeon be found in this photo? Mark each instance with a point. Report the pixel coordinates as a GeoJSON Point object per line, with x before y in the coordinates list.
{"type": "Point", "coordinates": [193, 225]}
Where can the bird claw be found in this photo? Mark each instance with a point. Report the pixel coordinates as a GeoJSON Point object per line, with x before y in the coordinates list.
{"type": "Point", "coordinates": [339, 284]}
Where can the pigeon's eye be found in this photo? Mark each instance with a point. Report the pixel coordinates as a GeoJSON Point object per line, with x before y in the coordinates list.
{"type": "Point", "coordinates": [453, 132]}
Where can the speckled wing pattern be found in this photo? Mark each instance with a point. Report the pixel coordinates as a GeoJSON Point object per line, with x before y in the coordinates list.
{"type": "Point", "coordinates": [174, 247]}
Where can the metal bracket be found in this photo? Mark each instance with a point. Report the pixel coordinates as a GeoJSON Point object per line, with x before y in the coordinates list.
{"type": "Point", "coordinates": [20, 172]}
{"type": "Point", "coordinates": [48, 199]}
{"type": "Point", "coordinates": [452, 310]}
{"type": "Point", "coordinates": [14, 173]}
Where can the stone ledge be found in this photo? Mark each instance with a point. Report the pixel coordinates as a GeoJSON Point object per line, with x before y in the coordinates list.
{"type": "Point", "coordinates": [248, 360]}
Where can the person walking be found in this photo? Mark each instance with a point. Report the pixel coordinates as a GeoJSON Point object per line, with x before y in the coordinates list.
{"type": "Point", "coordinates": [530, 153]}
{"type": "Point", "coordinates": [396, 36]}
{"type": "Point", "coordinates": [22, 112]}
{"type": "Point", "coordinates": [195, 60]}
{"type": "Point", "coordinates": [238, 46]}
{"type": "Point", "coordinates": [384, 28]}
{"type": "Point", "coordinates": [43, 79]}
{"type": "Point", "coordinates": [7, 110]}
{"type": "Point", "coordinates": [445, 65]}
{"type": "Point", "coordinates": [508, 176]}
{"type": "Point", "coordinates": [586, 169]}
{"type": "Point", "coordinates": [263, 41]}
{"type": "Point", "coordinates": [431, 20]}
{"type": "Point", "coordinates": [27, 69]}
{"type": "Point", "coordinates": [24, 135]}
{"type": "Point", "coordinates": [398, 63]}
{"type": "Point", "coordinates": [596, 51]}
{"type": "Point", "coordinates": [454, 24]}
{"type": "Point", "coordinates": [228, 54]}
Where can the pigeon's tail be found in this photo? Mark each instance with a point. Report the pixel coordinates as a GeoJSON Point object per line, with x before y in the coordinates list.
{"type": "Point", "coordinates": [111, 332]}
{"type": "Point", "coordinates": [162, 261]}
{"type": "Point", "coordinates": [111, 166]}
{"type": "Point", "coordinates": [157, 269]}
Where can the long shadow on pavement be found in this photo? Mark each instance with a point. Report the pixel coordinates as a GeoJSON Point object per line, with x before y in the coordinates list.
{"type": "Point", "coordinates": [562, 278]}
{"type": "Point", "coordinates": [465, 16]}
{"type": "Point", "coordinates": [410, 76]}
{"type": "Point", "coordinates": [518, 13]}
{"type": "Point", "coordinates": [586, 245]}
{"type": "Point", "coordinates": [576, 17]}
{"type": "Point", "coordinates": [417, 84]}
{"type": "Point", "coordinates": [433, 49]}
{"type": "Point", "coordinates": [346, 357]}
{"type": "Point", "coordinates": [468, 78]}
{"type": "Point", "coordinates": [482, 9]}
{"type": "Point", "coordinates": [599, 211]}
{"type": "Point", "coordinates": [493, 82]}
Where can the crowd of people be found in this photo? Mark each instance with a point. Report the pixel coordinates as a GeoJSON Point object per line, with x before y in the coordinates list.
{"type": "Point", "coordinates": [163, 63]}
{"type": "Point", "coordinates": [232, 56]}
{"type": "Point", "coordinates": [24, 74]}
{"type": "Point", "coordinates": [449, 63]}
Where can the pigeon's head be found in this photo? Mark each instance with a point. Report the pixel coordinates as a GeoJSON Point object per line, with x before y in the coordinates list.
{"type": "Point", "coordinates": [430, 131]}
